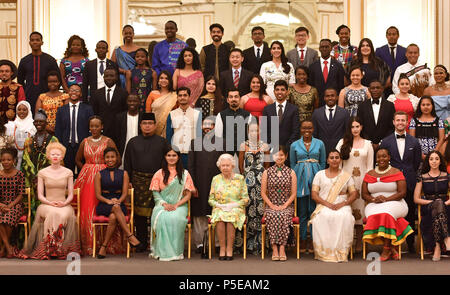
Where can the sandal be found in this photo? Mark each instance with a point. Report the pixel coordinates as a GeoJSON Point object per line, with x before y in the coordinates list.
{"type": "Point", "coordinates": [100, 256]}
{"type": "Point", "coordinates": [283, 258]}
{"type": "Point", "coordinates": [387, 257]}
{"type": "Point", "coordinates": [394, 254]}
{"type": "Point", "coordinates": [275, 258]}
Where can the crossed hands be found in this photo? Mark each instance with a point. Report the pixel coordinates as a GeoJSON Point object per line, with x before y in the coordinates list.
{"type": "Point", "coordinates": [228, 207]}
{"type": "Point", "coordinates": [4, 208]}
{"type": "Point", "coordinates": [337, 206]}
{"type": "Point", "coordinates": [113, 201]}
{"type": "Point", "coordinates": [380, 199]}
{"type": "Point", "coordinates": [58, 204]}
{"type": "Point", "coordinates": [170, 207]}
{"type": "Point", "coordinates": [277, 208]}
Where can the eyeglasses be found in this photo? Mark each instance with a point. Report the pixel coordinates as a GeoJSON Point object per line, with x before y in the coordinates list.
{"type": "Point", "coordinates": [74, 90]}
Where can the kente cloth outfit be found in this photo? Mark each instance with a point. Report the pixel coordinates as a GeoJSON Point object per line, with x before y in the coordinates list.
{"type": "Point", "coordinates": [141, 85]}
{"type": "Point", "coordinates": [51, 105]}
{"type": "Point", "coordinates": [332, 229]}
{"type": "Point", "coordinates": [10, 188]}
{"type": "Point", "coordinates": [169, 226]}
{"type": "Point", "coordinates": [74, 71]}
{"type": "Point", "coordinates": [304, 102]}
{"type": "Point", "coordinates": [360, 162]}
{"type": "Point", "coordinates": [427, 133]}
{"type": "Point", "coordinates": [125, 60]}
{"type": "Point", "coordinates": [435, 222]}
{"type": "Point", "coordinates": [165, 55]}
{"type": "Point", "coordinates": [306, 164]}
{"type": "Point", "coordinates": [54, 233]}
{"type": "Point", "coordinates": [10, 96]}
{"type": "Point", "coordinates": [20, 130]}
{"type": "Point", "coordinates": [279, 222]}
{"type": "Point", "coordinates": [385, 220]}
{"type": "Point", "coordinates": [344, 54]}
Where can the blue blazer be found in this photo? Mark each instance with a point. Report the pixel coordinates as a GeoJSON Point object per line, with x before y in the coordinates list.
{"type": "Point", "coordinates": [412, 157]}
{"type": "Point", "coordinates": [62, 127]}
{"type": "Point", "coordinates": [384, 53]}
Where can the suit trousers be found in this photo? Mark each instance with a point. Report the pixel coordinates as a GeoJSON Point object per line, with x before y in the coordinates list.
{"type": "Point", "coordinates": [305, 207]}
{"type": "Point", "coordinates": [69, 158]}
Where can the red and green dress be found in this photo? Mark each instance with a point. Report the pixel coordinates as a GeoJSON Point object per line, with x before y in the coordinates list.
{"type": "Point", "coordinates": [385, 220]}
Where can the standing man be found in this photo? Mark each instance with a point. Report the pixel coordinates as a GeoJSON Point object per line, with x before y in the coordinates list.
{"type": "Point", "coordinates": [258, 54]}
{"type": "Point", "coordinates": [33, 70]}
{"type": "Point", "coordinates": [376, 115]}
{"type": "Point", "coordinates": [166, 52]}
{"type": "Point", "coordinates": [183, 124]}
{"type": "Point", "coordinates": [143, 157]}
{"type": "Point", "coordinates": [10, 92]}
{"type": "Point", "coordinates": [419, 74]}
{"type": "Point", "coordinates": [127, 123]}
{"type": "Point", "coordinates": [72, 124]}
{"type": "Point", "coordinates": [326, 72]}
{"type": "Point", "coordinates": [406, 155]}
{"type": "Point", "coordinates": [214, 57]}
{"type": "Point", "coordinates": [393, 54]}
{"type": "Point", "coordinates": [302, 55]}
{"type": "Point", "coordinates": [287, 113]}
{"type": "Point", "coordinates": [94, 70]}
{"type": "Point", "coordinates": [330, 121]}
{"type": "Point", "coordinates": [236, 77]}
{"type": "Point", "coordinates": [109, 101]}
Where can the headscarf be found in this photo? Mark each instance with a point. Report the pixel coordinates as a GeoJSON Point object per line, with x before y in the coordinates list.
{"type": "Point", "coordinates": [25, 125]}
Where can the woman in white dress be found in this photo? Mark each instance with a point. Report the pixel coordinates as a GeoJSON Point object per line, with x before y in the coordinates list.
{"type": "Point", "coordinates": [384, 189]}
{"type": "Point", "coordinates": [357, 160]}
{"type": "Point", "coordinates": [334, 191]}
{"type": "Point", "coordinates": [277, 69]}
{"type": "Point", "coordinates": [21, 128]}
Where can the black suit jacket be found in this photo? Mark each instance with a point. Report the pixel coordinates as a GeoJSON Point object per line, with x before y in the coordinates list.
{"type": "Point", "coordinates": [376, 132]}
{"type": "Point", "coordinates": [330, 132]}
{"type": "Point", "coordinates": [384, 52]}
{"type": "Point", "coordinates": [251, 63]}
{"type": "Point", "coordinates": [62, 125]}
{"type": "Point", "coordinates": [107, 111]}
{"type": "Point", "coordinates": [335, 78]}
{"type": "Point", "coordinates": [412, 157]}
{"type": "Point", "coordinates": [120, 130]}
{"type": "Point", "coordinates": [289, 126]}
{"type": "Point", "coordinates": [226, 81]}
{"type": "Point", "coordinates": [90, 76]}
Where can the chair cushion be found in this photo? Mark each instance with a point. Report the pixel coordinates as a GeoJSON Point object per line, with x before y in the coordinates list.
{"type": "Point", "coordinates": [24, 218]}
{"type": "Point", "coordinates": [104, 219]}
{"type": "Point", "coordinates": [364, 220]}
{"type": "Point", "coordinates": [296, 220]}
{"type": "Point", "coordinates": [188, 219]}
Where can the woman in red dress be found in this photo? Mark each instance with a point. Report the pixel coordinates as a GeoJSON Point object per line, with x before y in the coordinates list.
{"type": "Point", "coordinates": [255, 101]}
{"type": "Point", "coordinates": [91, 151]}
{"type": "Point", "coordinates": [404, 101]}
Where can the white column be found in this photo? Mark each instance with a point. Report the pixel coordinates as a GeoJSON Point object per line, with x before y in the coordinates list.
{"type": "Point", "coordinates": [443, 33]}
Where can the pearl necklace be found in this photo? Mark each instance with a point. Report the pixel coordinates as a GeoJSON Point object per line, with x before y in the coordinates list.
{"type": "Point", "coordinates": [96, 140]}
{"type": "Point", "coordinates": [377, 170]}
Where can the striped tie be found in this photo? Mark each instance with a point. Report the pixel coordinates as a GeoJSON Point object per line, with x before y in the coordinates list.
{"type": "Point", "coordinates": [236, 78]}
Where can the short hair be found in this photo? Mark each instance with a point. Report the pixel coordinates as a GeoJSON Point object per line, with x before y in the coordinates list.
{"type": "Point", "coordinates": [333, 151]}
{"type": "Point", "coordinates": [302, 29]}
{"type": "Point", "coordinates": [257, 28]}
{"type": "Point", "coordinates": [236, 50]}
{"type": "Point", "coordinates": [281, 83]}
{"type": "Point", "coordinates": [304, 68]}
{"type": "Point", "coordinates": [306, 121]}
{"type": "Point", "coordinates": [78, 85]}
{"type": "Point", "coordinates": [413, 45]}
{"type": "Point", "coordinates": [127, 26]}
{"type": "Point", "coordinates": [226, 157]}
{"type": "Point", "coordinates": [338, 30]}
{"type": "Point", "coordinates": [375, 80]}
{"type": "Point", "coordinates": [55, 146]}
{"type": "Point", "coordinates": [183, 88]}
{"type": "Point", "coordinates": [393, 27]}
{"type": "Point", "coordinates": [109, 68]}
{"type": "Point", "coordinates": [330, 88]}
{"type": "Point", "coordinates": [110, 149]}
{"type": "Point", "coordinates": [325, 40]}
{"type": "Point", "coordinates": [232, 89]}
{"type": "Point", "coordinates": [400, 113]}
{"type": "Point", "coordinates": [54, 73]}
{"type": "Point", "coordinates": [382, 148]}
{"type": "Point", "coordinates": [9, 150]}
{"type": "Point", "coordinates": [103, 41]}
{"type": "Point", "coordinates": [216, 25]}
{"type": "Point", "coordinates": [171, 21]}
{"type": "Point", "coordinates": [36, 33]}
{"type": "Point", "coordinates": [94, 117]}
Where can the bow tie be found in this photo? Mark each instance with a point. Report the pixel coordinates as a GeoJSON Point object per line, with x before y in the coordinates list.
{"type": "Point", "coordinates": [375, 101]}
{"type": "Point", "coordinates": [401, 136]}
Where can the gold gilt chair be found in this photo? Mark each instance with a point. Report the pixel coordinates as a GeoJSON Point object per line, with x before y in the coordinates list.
{"type": "Point", "coordinates": [419, 231]}
{"type": "Point", "coordinates": [76, 207]}
{"type": "Point", "coordinates": [211, 237]}
{"type": "Point", "coordinates": [296, 225]}
{"type": "Point", "coordinates": [104, 220]}
{"type": "Point", "coordinates": [364, 244]}
{"type": "Point", "coordinates": [25, 220]}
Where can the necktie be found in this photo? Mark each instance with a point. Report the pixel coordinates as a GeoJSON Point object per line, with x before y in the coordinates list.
{"type": "Point", "coordinates": [72, 128]}
{"type": "Point", "coordinates": [236, 78]}
{"type": "Point", "coordinates": [393, 54]}
{"type": "Point", "coordinates": [375, 101]}
{"type": "Point", "coordinates": [108, 96]}
{"type": "Point", "coordinates": [258, 53]}
{"type": "Point", "coordinates": [280, 111]}
{"type": "Point", "coordinates": [325, 71]}
{"type": "Point", "coordinates": [102, 67]}
{"type": "Point", "coordinates": [401, 136]}
{"type": "Point", "coordinates": [302, 56]}
{"type": "Point", "coordinates": [330, 117]}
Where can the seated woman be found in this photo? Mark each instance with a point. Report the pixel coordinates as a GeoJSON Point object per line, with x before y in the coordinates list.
{"type": "Point", "coordinates": [172, 187]}
{"type": "Point", "coordinates": [54, 232]}
{"type": "Point", "coordinates": [435, 184]}
{"type": "Point", "coordinates": [111, 190]}
{"type": "Point", "coordinates": [384, 189]}
{"type": "Point", "coordinates": [332, 222]}
{"type": "Point", "coordinates": [228, 198]}
{"type": "Point", "coordinates": [278, 190]}
{"type": "Point", "coordinates": [12, 187]}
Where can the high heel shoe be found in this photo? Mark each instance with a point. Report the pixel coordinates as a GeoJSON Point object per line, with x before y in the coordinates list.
{"type": "Point", "coordinates": [140, 247]}
{"type": "Point", "coordinates": [100, 256]}
{"type": "Point", "coordinates": [394, 254]}
{"type": "Point", "coordinates": [387, 257]}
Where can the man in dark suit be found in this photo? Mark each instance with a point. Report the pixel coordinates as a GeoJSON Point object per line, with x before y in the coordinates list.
{"type": "Point", "coordinates": [393, 54]}
{"type": "Point", "coordinates": [258, 54]}
{"type": "Point", "coordinates": [326, 72]}
{"type": "Point", "coordinates": [130, 118]}
{"type": "Point", "coordinates": [72, 124]}
{"type": "Point", "coordinates": [236, 77]}
{"type": "Point", "coordinates": [108, 101]}
{"type": "Point", "coordinates": [94, 69]}
{"type": "Point", "coordinates": [376, 115]}
{"type": "Point", "coordinates": [330, 121]}
{"type": "Point", "coordinates": [288, 123]}
{"type": "Point", "coordinates": [406, 155]}
{"type": "Point", "coordinates": [302, 55]}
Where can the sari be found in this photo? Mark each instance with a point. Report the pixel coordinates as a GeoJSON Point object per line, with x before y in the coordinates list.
{"type": "Point", "coordinates": [162, 107]}
{"type": "Point", "coordinates": [169, 226]}
{"type": "Point", "coordinates": [332, 229]}
{"type": "Point", "coordinates": [125, 61]}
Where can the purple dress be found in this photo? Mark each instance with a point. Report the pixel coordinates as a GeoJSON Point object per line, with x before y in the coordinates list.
{"type": "Point", "coordinates": [74, 71]}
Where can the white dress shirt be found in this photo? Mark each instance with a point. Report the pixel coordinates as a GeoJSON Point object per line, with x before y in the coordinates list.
{"type": "Point", "coordinates": [401, 142]}
{"type": "Point", "coordinates": [283, 106]}
{"type": "Point", "coordinates": [233, 70]}
{"type": "Point", "coordinates": [100, 81]}
{"type": "Point", "coordinates": [300, 53]}
{"type": "Point", "coordinates": [327, 111]}
{"type": "Point", "coordinates": [77, 106]}
{"type": "Point", "coordinates": [111, 94]}
{"type": "Point", "coordinates": [261, 48]}
{"type": "Point", "coordinates": [322, 65]}
{"type": "Point", "coordinates": [376, 110]}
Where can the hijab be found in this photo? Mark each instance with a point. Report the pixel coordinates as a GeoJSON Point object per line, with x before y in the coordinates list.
{"type": "Point", "coordinates": [25, 125]}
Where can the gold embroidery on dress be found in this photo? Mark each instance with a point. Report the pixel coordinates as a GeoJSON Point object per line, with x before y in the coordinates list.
{"type": "Point", "coordinates": [356, 172]}
{"type": "Point", "coordinates": [356, 153]}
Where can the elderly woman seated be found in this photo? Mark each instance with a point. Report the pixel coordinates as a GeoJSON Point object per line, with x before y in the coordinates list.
{"type": "Point", "coordinates": [228, 198]}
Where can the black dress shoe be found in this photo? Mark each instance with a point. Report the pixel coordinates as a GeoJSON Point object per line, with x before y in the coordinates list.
{"type": "Point", "coordinates": [141, 247]}
{"type": "Point", "coordinates": [229, 258]}
{"type": "Point", "coordinates": [222, 258]}
{"type": "Point", "coordinates": [204, 256]}
{"type": "Point", "coordinates": [199, 250]}
{"type": "Point", "coordinates": [217, 250]}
